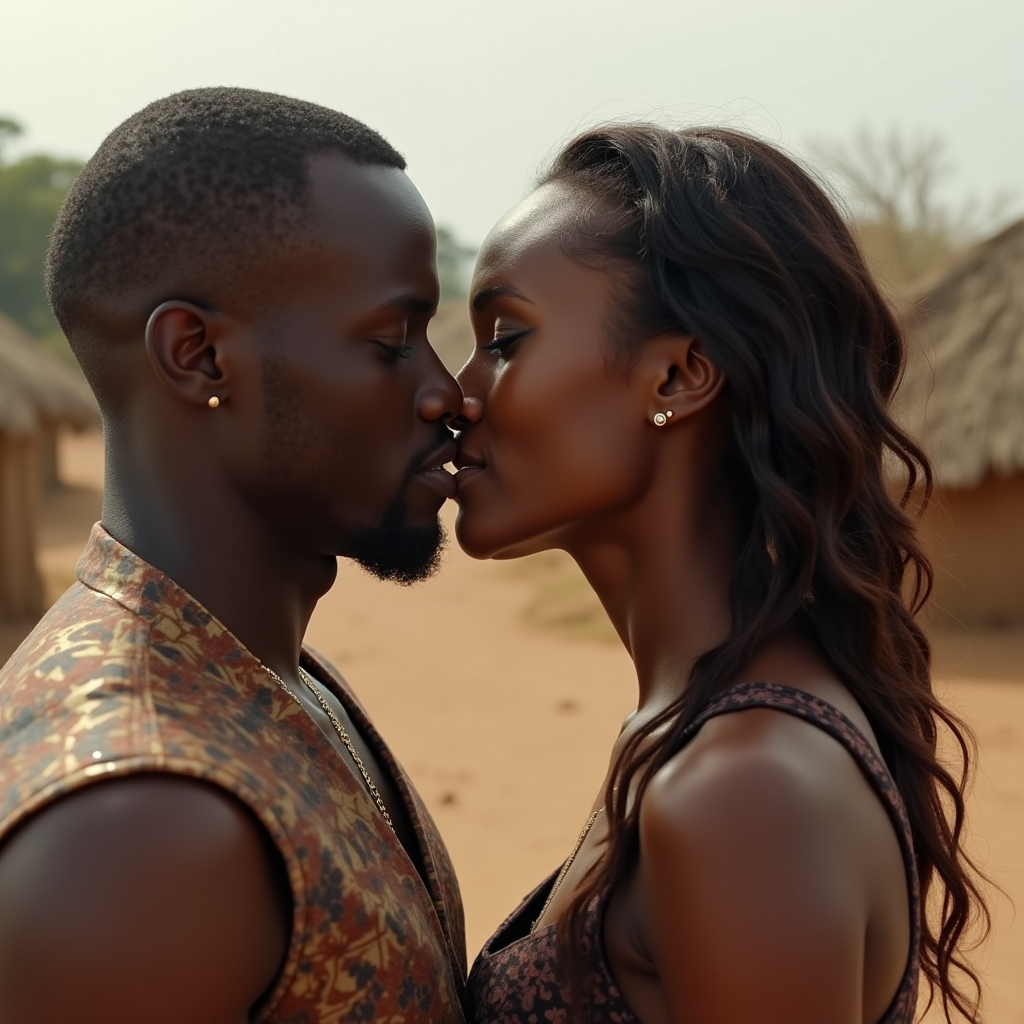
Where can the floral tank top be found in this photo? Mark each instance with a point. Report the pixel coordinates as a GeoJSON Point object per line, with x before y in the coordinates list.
{"type": "Point", "coordinates": [516, 978]}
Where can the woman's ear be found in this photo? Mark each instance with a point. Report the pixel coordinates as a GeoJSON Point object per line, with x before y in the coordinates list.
{"type": "Point", "coordinates": [679, 378]}
{"type": "Point", "coordinates": [182, 344]}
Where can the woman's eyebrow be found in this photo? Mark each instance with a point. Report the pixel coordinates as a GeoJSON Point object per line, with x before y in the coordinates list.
{"type": "Point", "coordinates": [486, 295]}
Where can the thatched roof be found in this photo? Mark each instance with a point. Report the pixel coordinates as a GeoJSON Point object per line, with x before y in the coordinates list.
{"type": "Point", "coordinates": [37, 388]}
{"type": "Point", "coordinates": [963, 394]}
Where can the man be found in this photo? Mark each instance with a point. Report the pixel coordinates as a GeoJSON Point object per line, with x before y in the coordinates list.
{"type": "Point", "coordinates": [197, 821]}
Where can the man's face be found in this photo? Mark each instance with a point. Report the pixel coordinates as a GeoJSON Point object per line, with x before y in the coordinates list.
{"type": "Point", "coordinates": [353, 401]}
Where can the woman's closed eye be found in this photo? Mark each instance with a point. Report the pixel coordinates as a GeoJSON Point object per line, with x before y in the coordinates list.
{"type": "Point", "coordinates": [503, 340]}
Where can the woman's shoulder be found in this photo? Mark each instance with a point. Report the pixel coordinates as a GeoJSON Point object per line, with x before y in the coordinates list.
{"type": "Point", "coordinates": [768, 842]}
{"type": "Point", "coordinates": [749, 771]}
{"type": "Point", "coordinates": [779, 797]}
{"type": "Point", "coordinates": [770, 753]}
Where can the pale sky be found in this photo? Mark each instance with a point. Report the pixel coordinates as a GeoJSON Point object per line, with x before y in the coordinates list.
{"type": "Point", "coordinates": [478, 95]}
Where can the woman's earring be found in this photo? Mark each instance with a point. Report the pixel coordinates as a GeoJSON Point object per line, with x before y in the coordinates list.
{"type": "Point", "coordinates": [661, 418]}
{"type": "Point", "coordinates": [213, 402]}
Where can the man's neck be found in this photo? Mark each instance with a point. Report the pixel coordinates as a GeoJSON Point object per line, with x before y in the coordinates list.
{"type": "Point", "coordinates": [212, 544]}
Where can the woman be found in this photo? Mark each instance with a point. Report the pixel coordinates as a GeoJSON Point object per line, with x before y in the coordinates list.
{"type": "Point", "coordinates": [681, 378]}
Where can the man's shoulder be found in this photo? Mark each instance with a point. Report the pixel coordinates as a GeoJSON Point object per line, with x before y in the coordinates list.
{"type": "Point", "coordinates": [100, 688]}
{"type": "Point", "coordinates": [52, 693]}
{"type": "Point", "coordinates": [83, 634]}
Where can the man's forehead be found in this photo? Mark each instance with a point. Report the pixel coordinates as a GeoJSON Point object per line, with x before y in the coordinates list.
{"type": "Point", "coordinates": [358, 203]}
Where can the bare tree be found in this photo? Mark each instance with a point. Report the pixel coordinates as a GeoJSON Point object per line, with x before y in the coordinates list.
{"type": "Point", "coordinates": [893, 182]}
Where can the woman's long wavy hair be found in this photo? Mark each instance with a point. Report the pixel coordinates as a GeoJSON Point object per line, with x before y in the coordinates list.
{"type": "Point", "coordinates": [720, 235]}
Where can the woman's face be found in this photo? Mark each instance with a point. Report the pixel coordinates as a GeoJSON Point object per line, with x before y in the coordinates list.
{"type": "Point", "coordinates": [564, 438]}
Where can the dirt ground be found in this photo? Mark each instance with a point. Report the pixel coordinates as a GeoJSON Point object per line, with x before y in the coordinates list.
{"type": "Point", "coordinates": [499, 690]}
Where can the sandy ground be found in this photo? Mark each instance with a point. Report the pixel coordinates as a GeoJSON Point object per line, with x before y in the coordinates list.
{"type": "Point", "coordinates": [498, 690]}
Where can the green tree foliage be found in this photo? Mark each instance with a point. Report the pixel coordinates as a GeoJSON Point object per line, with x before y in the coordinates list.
{"type": "Point", "coordinates": [454, 261]}
{"type": "Point", "coordinates": [31, 191]}
{"type": "Point", "coordinates": [8, 130]}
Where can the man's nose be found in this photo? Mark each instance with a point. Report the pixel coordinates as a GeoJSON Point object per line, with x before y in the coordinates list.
{"type": "Point", "coordinates": [440, 401]}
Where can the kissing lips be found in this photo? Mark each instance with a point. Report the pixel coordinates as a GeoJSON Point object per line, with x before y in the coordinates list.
{"type": "Point", "coordinates": [433, 473]}
{"type": "Point", "coordinates": [468, 466]}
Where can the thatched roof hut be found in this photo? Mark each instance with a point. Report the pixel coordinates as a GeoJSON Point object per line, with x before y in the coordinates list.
{"type": "Point", "coordinates": [37, 388]}
{"type": "Point", "coordinates": [38, 395]}
{"type": "Point", "coordinates": [963, 398]}
{"type": "Point", "coordinates": [963, 394]}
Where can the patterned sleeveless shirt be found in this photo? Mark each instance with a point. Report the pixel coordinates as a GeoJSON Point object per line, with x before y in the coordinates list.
{"type": "Point", "coordinates": [516, 978]}
{"type": "Point", "coordinates": [127, 673]}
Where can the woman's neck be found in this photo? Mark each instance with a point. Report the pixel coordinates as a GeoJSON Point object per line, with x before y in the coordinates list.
{"type": "Point", "coordinates": [662, 573]}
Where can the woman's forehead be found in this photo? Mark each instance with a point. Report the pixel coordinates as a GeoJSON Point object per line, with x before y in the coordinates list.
{"type": "Point", "coordinates": [538, 221]}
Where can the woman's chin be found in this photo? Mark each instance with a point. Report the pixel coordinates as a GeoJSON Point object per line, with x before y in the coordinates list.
{"type": "Point", "coordinates": [469, 536]}
{"type": "Point", "coordinates": [481, 541]}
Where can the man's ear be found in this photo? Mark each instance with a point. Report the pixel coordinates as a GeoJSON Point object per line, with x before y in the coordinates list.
{"type": "Point", "coordinates": [182, 344]}
{"type": "Point", "coordinates": [678, 377]}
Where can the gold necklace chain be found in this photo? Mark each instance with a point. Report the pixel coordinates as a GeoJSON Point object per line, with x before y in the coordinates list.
{"type": "Point", "coordinates": [342, 735]}
{"type": "Point", "coordinates": [565, 867]}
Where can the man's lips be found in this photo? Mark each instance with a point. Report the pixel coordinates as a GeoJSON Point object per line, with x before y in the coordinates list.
{"type": "Point", "coordinates": [446, 453]}
{"type": "Point", "coordinates": [433, 473]}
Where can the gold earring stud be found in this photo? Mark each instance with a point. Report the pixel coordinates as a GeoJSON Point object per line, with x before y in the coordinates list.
{"type": "Point", "coordinates": [213, 402]}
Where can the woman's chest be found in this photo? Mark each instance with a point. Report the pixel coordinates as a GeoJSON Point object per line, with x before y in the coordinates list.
{"type": "Point", "coordinates": [520, 976]}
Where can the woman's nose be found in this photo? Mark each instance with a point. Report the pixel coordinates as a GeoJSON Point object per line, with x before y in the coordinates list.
{"type": "Point", "coordinates": [471, 412]}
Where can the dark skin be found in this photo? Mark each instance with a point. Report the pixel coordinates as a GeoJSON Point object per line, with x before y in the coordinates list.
{"type": "Point", "coordinates": [160, 898]}
{"type": "Point", "coordinates": [770, 884]}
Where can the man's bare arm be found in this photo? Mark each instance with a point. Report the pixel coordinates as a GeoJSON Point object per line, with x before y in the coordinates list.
{"type": "Point", "coordinates": [143, 900]}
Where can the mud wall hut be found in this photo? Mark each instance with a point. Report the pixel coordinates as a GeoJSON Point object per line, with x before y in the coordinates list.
{"type": "Point", "coordinates": [963, 397]}
{"type": "Point", "coordinates": [39, 395]}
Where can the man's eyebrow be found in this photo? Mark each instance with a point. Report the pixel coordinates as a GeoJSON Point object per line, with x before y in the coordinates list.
{"type": "Point", "coordinates": [486, 295]}
{"type": "Point", "coordinates": [413, 305]}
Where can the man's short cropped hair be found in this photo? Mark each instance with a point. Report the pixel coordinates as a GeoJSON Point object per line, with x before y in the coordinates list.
{"type": "Point", "coordinates": [192, 187]}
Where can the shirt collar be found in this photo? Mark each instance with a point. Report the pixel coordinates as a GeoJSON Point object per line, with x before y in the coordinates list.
{"type": "Point", "coordinates": [110, 568]}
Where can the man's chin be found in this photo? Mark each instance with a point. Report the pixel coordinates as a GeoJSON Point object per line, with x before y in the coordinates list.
{"type": "Point", "coordinates": [397, 552]}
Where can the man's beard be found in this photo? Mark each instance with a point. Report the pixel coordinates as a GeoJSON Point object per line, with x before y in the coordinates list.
{"type": "Point", "coordinates": [394, 550]}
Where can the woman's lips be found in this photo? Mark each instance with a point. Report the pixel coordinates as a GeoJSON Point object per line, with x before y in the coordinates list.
{"type": "Point", "coordinates": [468, 466]}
